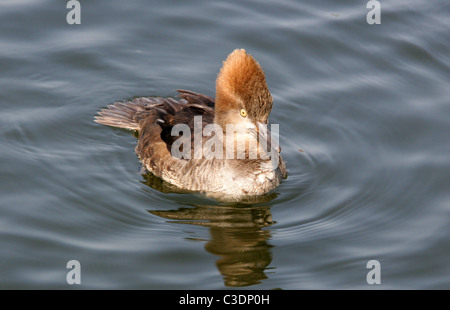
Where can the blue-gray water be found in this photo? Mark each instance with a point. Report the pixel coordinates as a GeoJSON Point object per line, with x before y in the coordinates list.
{"type": "Point", "coordinates": [369, 106]}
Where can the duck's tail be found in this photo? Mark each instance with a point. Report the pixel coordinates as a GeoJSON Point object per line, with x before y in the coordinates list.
{"type": "Point", "coordinates": [122, 115]}
{"type": "Point", "coordinates": [131, 114]}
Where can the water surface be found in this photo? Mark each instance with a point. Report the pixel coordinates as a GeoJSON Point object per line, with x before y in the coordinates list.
{"type": "Point", "coordinates": [364, 124]}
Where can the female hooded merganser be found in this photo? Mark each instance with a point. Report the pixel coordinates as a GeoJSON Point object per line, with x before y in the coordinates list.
{"type": "Point", "coordinates": [242, 100]}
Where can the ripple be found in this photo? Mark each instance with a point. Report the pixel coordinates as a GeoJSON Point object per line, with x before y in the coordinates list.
{"type": "Point", "coordinates": [363, 113]}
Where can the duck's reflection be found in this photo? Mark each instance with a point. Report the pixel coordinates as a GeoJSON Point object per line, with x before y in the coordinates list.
{"type": "Point", "coordinates": [237, 233]}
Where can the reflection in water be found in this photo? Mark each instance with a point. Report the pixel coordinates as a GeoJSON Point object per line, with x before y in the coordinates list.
{"type": "Point", "coordinates": [237, 236]}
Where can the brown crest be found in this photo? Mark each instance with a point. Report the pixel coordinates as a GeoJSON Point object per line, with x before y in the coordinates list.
{"type": "Point", "coordinates": [241, 83]}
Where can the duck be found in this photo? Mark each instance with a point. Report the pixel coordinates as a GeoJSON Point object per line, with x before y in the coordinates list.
{"type": "Point", "coordinates": [174, 134]}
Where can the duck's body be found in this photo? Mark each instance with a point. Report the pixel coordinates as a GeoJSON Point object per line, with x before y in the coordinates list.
{"type": "Point", "coordinates": [227, 178]}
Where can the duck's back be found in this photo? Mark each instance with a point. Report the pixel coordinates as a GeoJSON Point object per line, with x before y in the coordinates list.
{"type": "Point", "coordinates": [153, 118]}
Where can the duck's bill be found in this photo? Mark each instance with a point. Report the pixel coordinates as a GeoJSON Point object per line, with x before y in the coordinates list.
{"type": "Point", "coordinates": [265, 139]}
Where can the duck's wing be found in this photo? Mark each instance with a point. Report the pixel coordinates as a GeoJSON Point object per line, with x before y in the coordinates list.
{"type": "Point", "coordinates": [132, 114]}
{"type": "Point", "coordinates": [194, 98]}
{"type": "Point", "coordinates": [167, 112]}
{"type": "Point", "coordinates": [184, 112]}
{"type": "Point", "coordinates": [156, 136]}
{"type": "Point", "coordinates": [153, 118]}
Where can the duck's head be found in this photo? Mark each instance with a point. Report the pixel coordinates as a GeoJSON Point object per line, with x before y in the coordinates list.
{"type": "Point", "coordinates": [242, 95]}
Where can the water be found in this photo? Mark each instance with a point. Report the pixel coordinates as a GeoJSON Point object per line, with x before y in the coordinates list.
{"type": "Point", "coordinates": [367, 105]}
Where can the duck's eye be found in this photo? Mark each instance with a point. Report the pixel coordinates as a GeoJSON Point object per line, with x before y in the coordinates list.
{"type": "Point", "coordinates": [243, 113]}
